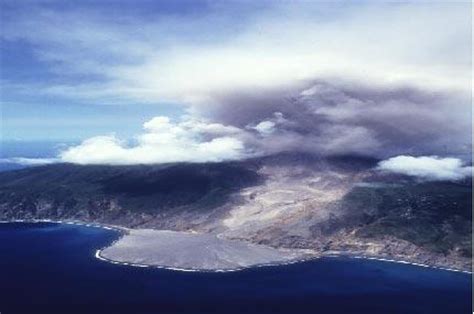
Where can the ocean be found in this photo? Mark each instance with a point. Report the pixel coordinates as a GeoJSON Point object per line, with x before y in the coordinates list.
{"type": "Point", "coordinates": [51, 268]}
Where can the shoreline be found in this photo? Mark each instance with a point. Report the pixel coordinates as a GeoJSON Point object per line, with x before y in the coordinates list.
{"type": "Point", "coordinates": [390, 260]}
{"type": "Point", "coordinates": [197, 270]}
{"type": "Point", "coordinates": [123, 231]}
{"type": "Point", "coordinates": [333, 255]}
{"type": "Point", "coordinates": [70, 222]}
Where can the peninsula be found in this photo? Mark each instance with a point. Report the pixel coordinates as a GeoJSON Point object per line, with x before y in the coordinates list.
{"type": "Point", "coordinates": [232, 215]}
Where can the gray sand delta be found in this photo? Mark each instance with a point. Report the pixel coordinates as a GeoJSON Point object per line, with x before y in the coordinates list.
{"type": "Point", "coordinates": [183, 250]}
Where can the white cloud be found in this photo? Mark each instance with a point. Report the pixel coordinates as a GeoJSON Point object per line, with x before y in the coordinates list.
{"type": "Point", "coordinates": [420, 44]}
{"type": "Point", "coordinates": [269, 126]}
{"type": "Point", "coordinates": [163, 141]}
{"type": "Point", "coordinates": [427, 167]}
{"type": "Point", "coordinates": [265, 127]}
{"type": "Point", "coordinates": [238, 72]}
{"type": "Point", "coordinates": [29, 161]}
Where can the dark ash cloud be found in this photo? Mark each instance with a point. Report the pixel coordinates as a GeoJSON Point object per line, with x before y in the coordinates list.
{"type": "Point", "coordinates": [332, 117]}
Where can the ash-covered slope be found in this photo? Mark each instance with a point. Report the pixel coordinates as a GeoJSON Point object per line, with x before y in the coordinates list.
{"type": "Point", "coordinates": [125, 195]}
{"type": "Point", "coordinates": [338, 204]}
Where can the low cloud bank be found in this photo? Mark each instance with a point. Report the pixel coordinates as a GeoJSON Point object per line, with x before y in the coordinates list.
{"type": "Point", "coordinates": [427, 167]}
{"type": "Point", "coordinates": [29, 161]}
{"type": "Point", "coordinates": [163, 141]}
{"type": "Point", "coordinates": [323, 117]}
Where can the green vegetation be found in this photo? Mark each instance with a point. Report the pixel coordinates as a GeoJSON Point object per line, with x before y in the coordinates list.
{"type": "Point", "coordinates": [433, 215]}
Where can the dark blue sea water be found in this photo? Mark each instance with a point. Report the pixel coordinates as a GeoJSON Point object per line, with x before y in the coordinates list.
{"type": "Point", "coordinates": [51, 268]}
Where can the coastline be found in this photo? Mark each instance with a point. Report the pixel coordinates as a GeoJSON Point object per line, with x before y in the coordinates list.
{"type": "Point", "coordinates": [123, 231]}
{"type": "Point", "coordinates": [332, 255]}
{"type": "Point", "coordinates": [97, 255]}
{"type": "Point", "coordinates": [70, 222]}
{"type": "Point", "coordinates": [397, 261]}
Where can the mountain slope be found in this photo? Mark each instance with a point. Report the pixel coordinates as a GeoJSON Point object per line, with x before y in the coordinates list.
{"type": "Point", "coordinates": [337, 204]}
{"type": "Point", "coordinates": [118, 194]}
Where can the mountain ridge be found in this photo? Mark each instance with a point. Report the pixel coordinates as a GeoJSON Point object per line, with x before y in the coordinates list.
{"type": "Point", "coordinates": [288, 200]}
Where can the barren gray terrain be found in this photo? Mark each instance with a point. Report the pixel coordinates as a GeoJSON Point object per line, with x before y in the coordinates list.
{"type": "Point", "coordinates": [262, 210]}
{"type": "Point", "coordinates": [184, 250]}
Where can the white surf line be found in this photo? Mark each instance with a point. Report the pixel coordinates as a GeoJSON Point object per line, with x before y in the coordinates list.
{"type": "Point", "coordinates": [227, 270]}
{"type": "Point", "coordinates": [124, 230]}
{"type": "Point", "coordinates": [400, 262]}
{"type": "Point", "coordinates": [98, 256]}
{"type": "Point", "coordinates": [69, 222]}
{"type": "Point", "coordinates": [289, 262]}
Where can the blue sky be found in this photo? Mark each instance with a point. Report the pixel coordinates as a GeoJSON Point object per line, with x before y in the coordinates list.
{"type": "Point", "coordinates": [41, 48]}
{"type": "Point", "coordinates": [33, 31]}
{"type": "Point", "coordinates": [75, 70]}
{"type": "Point", "coordinates": [29, 115]}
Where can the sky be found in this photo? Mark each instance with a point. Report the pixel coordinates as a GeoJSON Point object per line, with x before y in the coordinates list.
{"type": "Point", "coordinates": [158, 81]}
